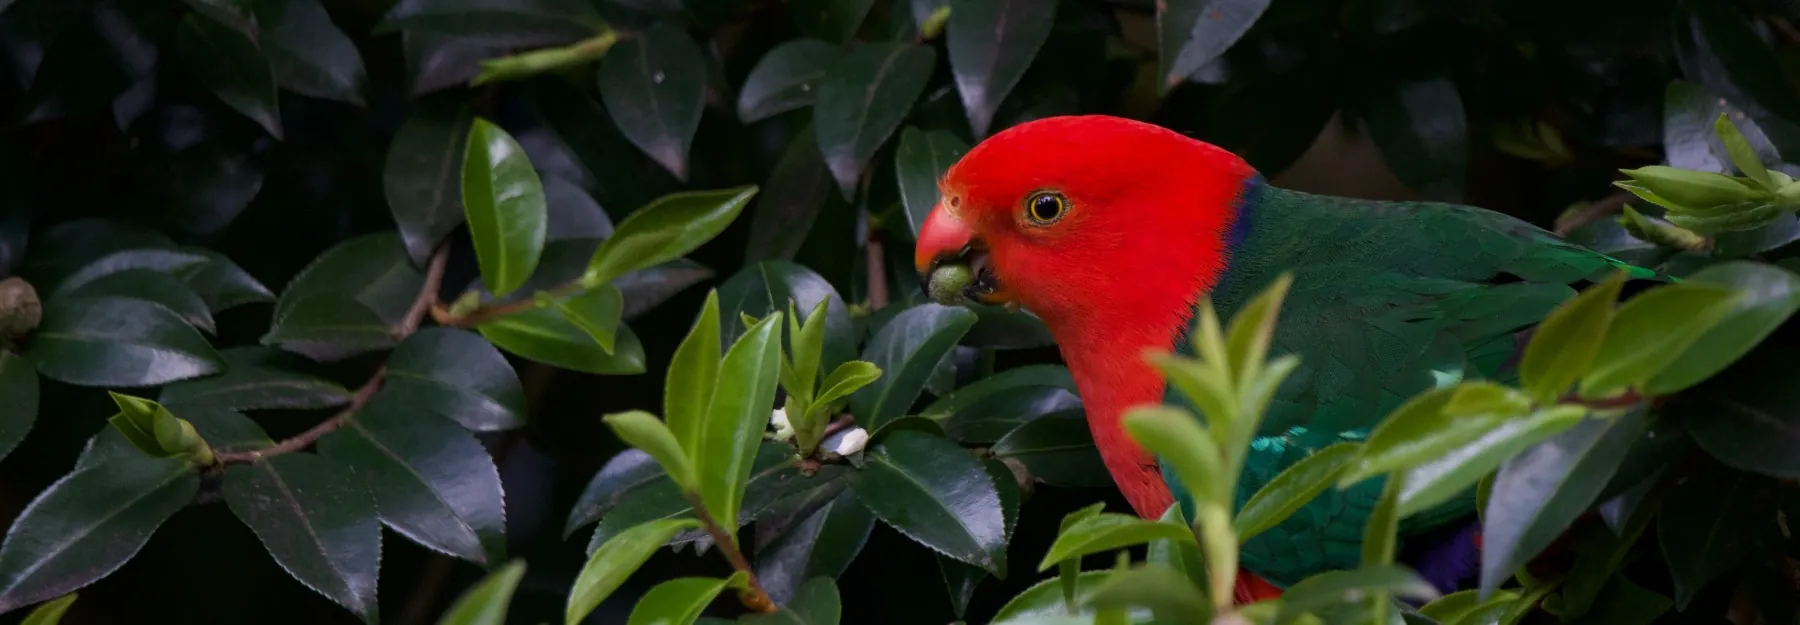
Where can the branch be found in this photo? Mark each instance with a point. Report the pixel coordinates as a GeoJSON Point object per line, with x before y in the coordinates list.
{"type": "Point", "coordinates": [434, 278]}
{"type": "Point", "coordinates": [1594, 212]}
{"type": "Point", "coordinates": [491, 311]}
{"type": "Point", "coordinates": [753, 597]}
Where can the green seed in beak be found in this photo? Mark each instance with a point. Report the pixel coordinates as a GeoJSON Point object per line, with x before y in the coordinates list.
{"type": "Point", "coordinates": [948, 281]}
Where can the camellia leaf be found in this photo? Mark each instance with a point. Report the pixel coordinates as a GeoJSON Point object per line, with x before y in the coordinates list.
{"type": "Point", "coordinates": [665, 230]}
{"type": "Point", "coordinates": [862, 100]}
{"type": "Point", "coordinates": [693, 379]}
{"type": "Point", "coordinates": [741, 407]}
{"type": "Point", "coordinates": [907, 350]}
{"type": "Point", "coordinates": [820, 545]}
{"type": "Point", "coordinates": [1292, 489]}
{"type": "Point", "coordinates": [786, 78]}
{"type": "Point", "coordinates": [116, 341]}
{"type": "Point", "coordinates": [1107, 532]}
{"type": "Point", "coordinates": [151, 286]}
{"type": "Point", "coordinates": [543, 335]}
{"type": "Point", "coordinates": [422, 178]}
{"type": "Point", "coordinates": [456, 374]}
{"type": "Point", "coordinates": [1563, 345]}
{"type": "Point", "coordinates": [222, 283]}
{"type": "Point", "coordinates": [1191, 33]}
{"type": "Point", "coordinates": [647, 288]}
{"type": "Point", "coordinates": [596, 312]}
{"type": "Point", "coordinates": [503, 202]}
{"type": "Point", "coordinates": [155, 259]}
{"type": "Point", "coordinates": [766, 287]}
{"type": "Point", "coordinates": [832, 20]}
{"type": "Point", "coordinates": [1539, 494]}
{"type": "Point", "coordinates": [921, 159]}
{"type": "Point", "coordinates": [654, 86]}
{"type": "Point", "coordinates": [88, 524]}
{"type": "Point", "coordinates": [1056, 449]}
{"type": "Point", "coordinates": [486, 602]}
{"type": "Point", "coordinates": [307, 52]}
{"type": "Point", "coordinates": [1767, 297]}
{"type": "Point", "coordinates": [1701, 527]}
{"type": "Point", "coordinates": [255, 378]}
{"type": "Point", "coordinates": [677, 601]}
{"type": "Point", "coordinates": [1183, 443]}
{"type": "Point", "coordinates": [773, 474]}
{"type": "Point", "coordinates": [497, 22]}
{"type": "Point", "coordinates": [1168, 594]}
{"type": "Point", "coordinates": [49, 612]}
{"type": "Point", "coordinates": [1423, 134]}
{"type": "Point", "coordinates": [1331, 588]}
{"type": "Point", "coordinates": [1430, 484]}
{"type": "Point", "coordinates": [626, 472]}
{"type": "Point", "coordinates": [991, 43]}
{"type": "Point", "coordinates": [19, 393]}
{"type": "Point", "coordinates": [231, 65]}
{"type": "Point", "coordinates": [1652, 330]}
{"type": "Point", "coordinates": [644, 431]}
{"type": "Point", "coordinates": [432, 481]}
{"type": "Point", "coordinates": [330, 327]}
{"type": "Point", "coordinates": [616, 560]}
{"type": "Point", "coordinates": [993, 407]}
{"type": "Point", "coordinates": [1044, 599]}
{"type": "Point", "coordinates": [934, 492]}
{"type": "Point", "coordinates": [318, 521]}
{"type": "Point", "coordinates": [371, 272]}
{"type": "Point", "coordinates": [798, 189]}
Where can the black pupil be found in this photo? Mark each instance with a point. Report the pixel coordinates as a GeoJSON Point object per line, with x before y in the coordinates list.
{"type": "Point", "coordinates": [1046, 207]}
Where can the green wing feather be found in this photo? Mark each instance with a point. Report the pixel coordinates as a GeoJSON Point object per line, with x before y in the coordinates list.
{"type": "Point", "coordinates": [1389, 299]}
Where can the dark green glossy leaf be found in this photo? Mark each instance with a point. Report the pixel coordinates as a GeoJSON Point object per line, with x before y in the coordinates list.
{"type": "Point", "coordinates": [654, 86]}
{"type": "Point", "coordinates": [1044, 599]}
{"type": "Point", "coordinates": [422, 178]}
{"type": "Point", "coordinates": [786, 78]}
{"type": "Point", "coordinates": [151, 286]}
{"type": "Point", "coordinates": [766, 287]}
{"type": "Point", "coordinates": [543, 335]}
{"type": "Point", "coordinates": [991, 407]}
{"type": "Point", "coordinates": [862, 100]}
{"type": "Point", "coordinates": [1292, 489]}
{"type": "Point", "coordinates": [831, 20]}
{"type": "Point", "coordinates": [115, 341]}
{"type": "Point", "coordinates": [497, 22]}
{"type": "Point", "coordinates": [371, 272]}
{"type": "Point", "coordinates": [921, 159]}
{"type": "Point", "coordinates": [454, 373]}
{"type": "Point", "coordinates": [318, 521]}
{"type": "Point", "coordinates": [1625, 603]}
{"type": "Point", "coordinates": [936, 493]}
{"type": "Point", "coordinates": [773, 476]}
{"type": "Point", "coordinates": [991, 43]}
{"type": "Point", "coordinates": [1423, 135]}
{"type": "Point", "coordinates": [742, 404]}
{"type": "Point", "coordinates": [1703, 527]}
{"type": "Point", "coordinates": [255, 378]}
{"type": "Point", "coordinates": [330, 327]}
{"type": "Point", "coordinates": [798, 189]}
{"type": "Point", "coordinates": [676, 602]}
{"type": "Point", "coordinates": [432, 481]}
{"type": "Point", "coordinates": [19, 393]}
{"type": "Point", "coordinates": [626, 472]}
{"type": "Point", "coordinates": [1768, 296]}
{"type": "Point", "coordinates": [231, 65]}
{"type": "Point", "coordinates": [222, 283]}
{"type": "Point", "coordinates": [907, 349]}
{"type": "Point", "coordinates": [503, 202]}
{"type": "Point", "coordinates": [822, 544]}
{"type": "Point", "coordinates": [647, 288]}
{"type": "Point", "coordinates": [147, 258]}
{"type": "Point", "coordinates": [665, 230]}
{"type": "Point", "coordinates": [63, 249]}
{"type": "Point", "coordinates": [88, 524]}
{"type": "Point", "coordinates": [435, 61]}
{"type": "Point", "coordinates": [308, 53]}
{"type": "Point", "coordinates": [1539, 493]}
{"type": "Point", "coordinates": [615, 560]}
{"type": "Point", "coordinates": [596, 312]}
{"type": "Point", "coordinates": [1057, 449]}
{"type": "Point", "coordinates": [486, 602]}
{"type": "Point", "coordinates": [1689, 141]}
{"type": "Point", "coordinates": [573, 213]}
{"type": "Point", "coordinates": [1191, 33]}
{"type": "Point", "coordinates": [1107, 532]}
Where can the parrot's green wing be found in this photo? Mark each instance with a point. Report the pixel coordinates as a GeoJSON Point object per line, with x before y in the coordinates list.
{"type": "Point", "coordinates": [1389, 299]}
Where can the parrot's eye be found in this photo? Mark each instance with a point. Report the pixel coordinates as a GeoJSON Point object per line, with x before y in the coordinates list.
{"type": "Point", "coordinates": [1045, 207]}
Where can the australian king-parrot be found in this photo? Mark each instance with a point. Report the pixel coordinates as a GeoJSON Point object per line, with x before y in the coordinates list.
{"type": "Point", "coordinates": [1110, 230]}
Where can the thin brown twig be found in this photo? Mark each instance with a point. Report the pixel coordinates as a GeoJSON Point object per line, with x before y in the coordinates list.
{"type": "Point", "coordinates": [489, 312]}
{"type": "Point", "coordinates": [428, 291]}
{"type": "Point", "coordinates": [755, 597]}
{"type": "Point", "coordinates": [1594, 212]}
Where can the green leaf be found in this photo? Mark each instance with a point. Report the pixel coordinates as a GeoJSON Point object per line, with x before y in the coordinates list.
{"type": "Point", "coordinates": [615, 561]}
{"type": "Point", "coordinates": [919, 162]}
{"type": "Point", "coordinates": [693, 378]}
{"type": "Point", "coordinates": [622, 501]}
{"type": "Point", "coordinates": [794, 546]}
{"type": "Point", "coordinates": [151, 286]}
{"type": "Point", "coordinates": [1179, 439]}
{"type": "Point", "coordinates": [654, 86]}
{"type": "Point", "coordinates": [1539, 494]}
{"type": "Point", "coordinates": [678, 601]}
{"type": "Point", "coordinates": [1332, 588]}
{"type": "Point", "coordinates": [223, 284]}
{"type": "Point", "coordinates": [1568, 339]}
{"type": "Point", "coordinates": [666, 229]}
{"type": "Point", "coordinates": [937, 494]}
{"type": "Point", "coordinates": [863, 99]}
{"type": "Point", "coordinates": [486, 602]}
{"type": "Point", "coordinates": [308, 54]}
{"type": "Point", "coordinates": [741, 407]}
{"type": "Point", "coordinates": [798, 189]}
{"type": "Point", "coordinates": [1437, 481]}
{"type": "Point", "coordinates": [1702, 527]}
{"type": "Point", "coordinates": [1166, 592]}
{"type": "Point", "coordinates": [991, 407]}
{"type": "Point", "coordinates": [1426, 427]}
{"type": "Point", "coordinates": [317, 519]}
{"type": "Point", "coordinates": [422, 178]}
{"type": "Point", "coordinates": [845, 380]}
{"type": "Point", "coordinates": [1192, 33]}
{"type": "Point", "coordinates": [19, 393]}
{"type": "Point", "coordinates": [1182, 555]}
{"type": "Point", "coordinates": [628, 471]}
{"type": "Point", "coordinates": [1652, 330]}
{"type": "Point", "coordinates": [255, 378]}
{"type": "Point", "coordinates": [1057, 450]}
{"type": "Point", "coordinates": [596, 312]}
{"type": "Point", "coordinates": [510, 23]}
{"type": "Point", "coordinates": [545, 336]}
{"type": "Point", "coordinates": [644, 431]}
{"type": "Point", "coordinates": [1767, 297]}
{"type": "Point", "coordinates": [433, 482]}
{"type": "Point", "coordinates": [1691, 190]}
{"type": "Point", "coordinates": [231, 65]}
{"type": "Point", "coordinates": [329, 328]}
{"type": "Point", "coordinates": [88, 524]}
{"type": "Point", "coordinates": [49, 612]}
{"type": "Point", "coordinates": [1625, 603]}
{"type": "Point", "coordinates": [907, 350]}
{"type": "Point", "coordinates": [767, 287]}
{"type": "Point", "coordinates": [1423, 135]}
{"type": "Point", "coordinates": [156, 259]}
{"type": "Point", "coordinates": [503, 202]}
{"type": "Point", "coordinates": [1292, 489]}
{"type": "Point", "coordinates": [119, 342]}
{"type": "Point", "coordinates": [232, 13]}
{"type": "Point", "coordinates": [1109, 531]}
{"type": "Point", "coordinates": [454, 373]}
{"type": "Point", "coordinates": [990, 46]}
{"type": "Point", "coordinates": [1742, 155]}
{"type": "Point", "coordinates": [832, 20]}
{"type": "Point", "coordinates": [784, 79]}
{"type": "Point", "coordinates": [371, 272]}
{"type": "Point", "coordinates": [1044, 599]}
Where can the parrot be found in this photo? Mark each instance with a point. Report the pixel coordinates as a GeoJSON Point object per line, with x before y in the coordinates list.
{"type": "Point", "coordinates": [1111, 231]}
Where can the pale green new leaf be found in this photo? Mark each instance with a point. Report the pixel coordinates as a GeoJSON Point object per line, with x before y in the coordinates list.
{"type": "Point", "coordinates": [1568, 339]}
{"type": "Point", "coordinates": [644, 431]}
{"type": "Point", "coordinates": [616, 560]}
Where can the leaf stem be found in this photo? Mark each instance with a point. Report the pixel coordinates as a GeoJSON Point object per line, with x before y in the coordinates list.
{"type": "Point", "coordinates": [491, 311]}
{"type": "Point", "coordinates": [527, 64]}
{"type": "Point", "coordinates": [754, 597]}
{"type": "Point", "coordinates": [424, 301]}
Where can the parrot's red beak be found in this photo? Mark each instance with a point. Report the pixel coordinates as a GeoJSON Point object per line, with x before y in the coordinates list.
{"type": "Point", "coordinates": [952, 262]}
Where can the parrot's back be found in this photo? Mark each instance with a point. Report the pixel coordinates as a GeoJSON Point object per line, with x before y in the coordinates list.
{"type": "Point", "coordinates": [1389, 299]}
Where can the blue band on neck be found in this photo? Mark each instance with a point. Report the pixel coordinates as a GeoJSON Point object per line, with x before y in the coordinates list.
{"type": "Point", "coordinates": [1247, 202]}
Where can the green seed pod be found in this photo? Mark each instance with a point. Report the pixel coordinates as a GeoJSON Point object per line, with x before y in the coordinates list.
{"type": "Point", "coordinates": [948, 281]}
{"type": "Point", "coordinates": [20, 309]}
